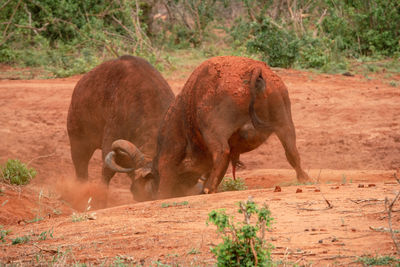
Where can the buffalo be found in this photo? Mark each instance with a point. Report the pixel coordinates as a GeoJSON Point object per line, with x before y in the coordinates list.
{"type": "Point", "coordinates": [125, 98]}
{"type": "Point", "coordinates": [228, 106]}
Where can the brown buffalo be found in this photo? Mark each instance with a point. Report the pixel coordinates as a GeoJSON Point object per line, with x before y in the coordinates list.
{"type": "Point", "coordinates": [228, 106]}
{"type": "Point", "coordinates": [125, 98]}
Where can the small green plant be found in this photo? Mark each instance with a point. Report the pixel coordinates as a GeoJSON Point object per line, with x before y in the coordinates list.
{"type": "Point", "coordinates": [193, 251]}
{"type": "Point", "coordinates": [3, 234]}
{"type": "Point", "coordinates": [378, 260]}
{"type": "Point", "coordinates": [241, 245]}
{"type": "Point", "coordinates": [43, 235]}
{"type": "Point", "coordinates": [229, 184]}
{"type": "Point", "coordinates": [21, 240]}
{"type": "Point", "coordinates": [174, 204]}
{"type": "Point", "coordinates": [160, 264]}
{"type": "Point", "coordinates": [393, 83]}
{"type": "Point", "coordinates": [344, 179]}
{"type": "Point", "coordinates": [36, 219]}
{"type": "Point", "coordinates": [17, 173]}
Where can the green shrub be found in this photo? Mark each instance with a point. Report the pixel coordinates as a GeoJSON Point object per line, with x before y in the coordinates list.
{"type": "Point", "coordinates": [278, 47]}
{"type": "Point", "coordinates": [241, 246]}
{"type": "Point", "coordinates": [313, 52]}
{"type": "Point", "coordinates": [3, 234]}
{"type": "Point", "coordinates": [229, 184]}
{"type": "Point", "coordinates": [379, 261]}
{"type": "Point", "coordinates": [17, 173]}
{"type": "Point", "coordinates": [21, 240]}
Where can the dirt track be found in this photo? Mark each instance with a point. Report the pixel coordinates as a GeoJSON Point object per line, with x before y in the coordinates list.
{"type": "Point", "coordinates": [348, 133]}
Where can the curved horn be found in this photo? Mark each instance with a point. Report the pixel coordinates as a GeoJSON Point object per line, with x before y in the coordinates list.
{"type": "Point", "coordinates": [127, 148]}
{"type": "Point", "coordinates": [257, 84]}
{"type": "Point", "coordinates": [110, 162]}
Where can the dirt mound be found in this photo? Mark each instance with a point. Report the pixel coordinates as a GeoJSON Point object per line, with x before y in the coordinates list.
{"type": "Point", "coordinates": [305, 228]}
{"type": "Point", "coordinates": [22, 205]}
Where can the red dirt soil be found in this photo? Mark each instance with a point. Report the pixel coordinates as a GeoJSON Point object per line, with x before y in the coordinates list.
{"type": "Point", "coordinates": [348, 135]}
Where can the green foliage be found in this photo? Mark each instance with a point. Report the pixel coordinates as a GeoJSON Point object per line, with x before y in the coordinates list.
{"type": "Point", "coordinates": [71, 37]}
{"type": "Point", "coordinates": [188, 23]}
{"type": "Point", "coordinates": [193, 251]}
{"type": "Point", "coordinates": [241, 246]}
{"type": "Point", "coordinates": [229, 184]}
{"type": "Point", "coordinates": [330, 32]}
{"type": "Point", "coordinates": [21, 240]}
{"type": "Point", "coordinates": [3, 234]}
{"type": "Point", "coordinates": [17, 173]}
{"type": "Point", "coordinates": [278, 47]}
{"type": "Point", "coordinates": [366, 27]}
{"type": "Point", "coordinates": [378, 261]}
{"type": "Point", "coordinates": [313, 52]}
{"type": "Point", "coordinates": [174, 204]}
{"type": "Point", "coordinates": [43, 235]}
{"type": "Point", "coordinates": [68, 37]}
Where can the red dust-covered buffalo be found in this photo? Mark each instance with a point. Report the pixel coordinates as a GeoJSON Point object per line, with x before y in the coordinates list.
{"type": "Point", "coordinates": [228, 106]}
{"type": "Point", "coordinates": [125, 98]}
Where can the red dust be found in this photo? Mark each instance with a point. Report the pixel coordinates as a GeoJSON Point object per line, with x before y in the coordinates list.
{"type": "Point", "coordinates": [83, 195]}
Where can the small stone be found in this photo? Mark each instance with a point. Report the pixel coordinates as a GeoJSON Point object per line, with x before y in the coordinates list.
{"type": "Point", "coordinates": [299, 190]}
{"type": "Point", "coordinates": [360, 186]}
{"type": "Point", "coordinates": [371, 185]}
{"type": "Point", "coordinates": [320, 241]}
{"type": "Point", "coordinates": [306, 230]}
{"type": "Point", "coordinates": [353, 229]}
{"type": "Point", "coordinates": [317, 190]}
{"type": "Point", "coordinates": [277, 189]}
{"type": "Point", "coordinates": [335, 187]}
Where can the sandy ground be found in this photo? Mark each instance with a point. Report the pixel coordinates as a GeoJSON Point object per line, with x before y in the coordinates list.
{"type": "Point", "coordinates": [348, 134]}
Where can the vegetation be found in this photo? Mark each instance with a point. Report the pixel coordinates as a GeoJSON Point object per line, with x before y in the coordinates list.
{"type": "Point", "coordinates": [17, 173]}
{"type": "Point", "coordinates": [241, 245]}
{"type": "Point", "coordinates": [229, 184]}
{"type": "Point", "coordinates": [379, 261]}
{"type": "Point", "coordinates": [174, 204]}
{"type": "Point", "coordinates": [74, 36]}
{"type": "Point", "coordinates": [3, 234]}
{"type": "Point", "coordinates": [43, 235]}
{"type": "Point", "coordinates": [21, 240]}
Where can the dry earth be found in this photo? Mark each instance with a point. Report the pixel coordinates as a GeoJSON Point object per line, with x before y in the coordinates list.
{"type": "Point", "coordinates": [348, 131]}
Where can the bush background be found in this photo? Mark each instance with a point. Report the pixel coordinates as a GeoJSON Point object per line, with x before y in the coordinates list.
{"type": "Point", "coordinates": [68, 37]}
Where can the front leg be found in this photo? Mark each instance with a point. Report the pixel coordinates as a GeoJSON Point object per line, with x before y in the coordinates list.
{"type": "Point", "coordinates": [220, 151]}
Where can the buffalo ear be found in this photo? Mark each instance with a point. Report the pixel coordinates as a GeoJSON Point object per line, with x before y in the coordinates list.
{"type": "Point", "coordinates": [260, 85]}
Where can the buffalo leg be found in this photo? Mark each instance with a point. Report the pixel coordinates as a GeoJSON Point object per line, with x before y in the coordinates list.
{"type": "Point", "coordinates": [81, 152]}
{"type": "Point", "coordinates": [287, 136]}
{"type": "Point", "coordinates": [220, 152]}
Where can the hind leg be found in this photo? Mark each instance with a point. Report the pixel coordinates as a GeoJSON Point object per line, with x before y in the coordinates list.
{"type": "Point", "coordinates": [287, 136]}
{"type": "Point", "coordinates": [81, 152]}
